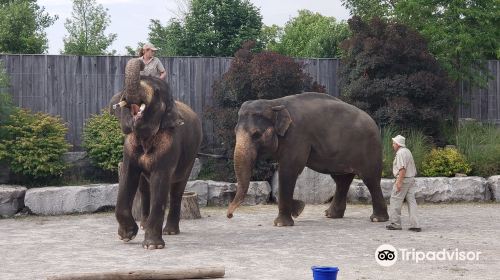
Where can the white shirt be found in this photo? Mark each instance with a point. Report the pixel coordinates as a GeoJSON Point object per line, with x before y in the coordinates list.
{"type": "Point", "coordinates": [404, 159]}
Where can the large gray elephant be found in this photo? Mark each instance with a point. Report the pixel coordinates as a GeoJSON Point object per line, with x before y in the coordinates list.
{"type": "Point", "coordinates": [313, 130]}
{"type": "Point", "coordinates": [162, 138]}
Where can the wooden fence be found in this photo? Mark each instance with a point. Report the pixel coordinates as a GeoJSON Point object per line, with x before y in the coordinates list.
{"type": "Point", "coordinates": [75, 87]}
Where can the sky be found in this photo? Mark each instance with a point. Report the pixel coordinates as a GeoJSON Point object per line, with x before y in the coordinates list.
{"type": "Point", "coordinates": [130, 18]}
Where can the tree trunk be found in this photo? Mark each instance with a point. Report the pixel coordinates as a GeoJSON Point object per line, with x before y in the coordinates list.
{"type": "Point", "coordinates": [189, 206]}
{"type": "Point", "coordinates": [193, 273]}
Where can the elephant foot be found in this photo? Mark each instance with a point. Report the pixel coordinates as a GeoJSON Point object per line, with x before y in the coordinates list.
{"type": "Point", "coordinates": [333, 214]}
{"type": "Point", "coordinates": [283, 221]}
{"type": "Point", "coordinates": [379, 218]}
{"type": "Point", "coordinates": [171, 230]}
{"type": "Point", "coordinates": [127, 234]}
{"type": "Point", "coordinates": [153, 243]}
{"type": "Point", "coordinates": [297, 207]}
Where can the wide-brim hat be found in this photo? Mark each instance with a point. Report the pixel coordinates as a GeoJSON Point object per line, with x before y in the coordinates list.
{"type": "Point", "coordinates": [400, 140]}
{"type": "Point", "coordinates": [149, 46]}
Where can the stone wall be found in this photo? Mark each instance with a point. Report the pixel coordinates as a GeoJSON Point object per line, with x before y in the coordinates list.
{"type": "Point", "coordinates": [311, 187]}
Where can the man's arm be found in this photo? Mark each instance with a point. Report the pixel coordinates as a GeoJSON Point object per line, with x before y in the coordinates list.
{"type": "Point", "coordinates": [399, 180]}
{"type": "Point", "coordinates": [163, 74]}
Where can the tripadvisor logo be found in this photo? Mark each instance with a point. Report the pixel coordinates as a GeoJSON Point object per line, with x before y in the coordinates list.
{"type": "Point", "coordinates": [387, 255]}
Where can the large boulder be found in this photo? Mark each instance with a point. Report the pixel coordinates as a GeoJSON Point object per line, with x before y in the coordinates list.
{"type": "Point", "coordinates": [455, 189]}
{"type": "Point", "coordinates": [222, 193]}
{"type": "Point", "coordinates": [311, 187]}
{"type": "Point", "coordinates": [201, 189]}
{"type": "Point", "coordinates": [11, 200]}
{"type": "Point", "coordinates": [74, 199]}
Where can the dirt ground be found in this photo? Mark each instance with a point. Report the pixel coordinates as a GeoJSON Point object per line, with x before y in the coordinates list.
{"type": "Point", "coordinates": [250, 247]}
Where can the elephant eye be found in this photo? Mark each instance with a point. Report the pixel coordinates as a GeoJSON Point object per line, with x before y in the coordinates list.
{"type": "Point", "coordinates": [256, 135]}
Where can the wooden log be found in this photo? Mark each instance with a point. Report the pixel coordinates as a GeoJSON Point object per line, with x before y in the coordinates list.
{"type": "Point", "coordinates": [189, 206]}
{"type": "Point", "coordinates": [186, 273]}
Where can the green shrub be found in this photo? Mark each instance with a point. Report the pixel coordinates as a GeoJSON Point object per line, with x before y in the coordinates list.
{"type": "Point", "coordinates": [444, 162]}
{"type": "Point", "coordinates": [480, 143]}
{"type": "Point", "coordinates": [103, 141]}
{"type": "Point", "coordinates": [33, 145]}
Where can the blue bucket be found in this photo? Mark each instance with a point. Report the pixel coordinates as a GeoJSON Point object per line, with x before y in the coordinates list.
{"type": "Point", "coordinates": [325, 272]}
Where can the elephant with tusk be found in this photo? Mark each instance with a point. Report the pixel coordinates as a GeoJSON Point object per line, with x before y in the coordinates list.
{"type": "Point", "coordinates": [313, 130]}
{"type": "Point", "coordinates": [162, 138]}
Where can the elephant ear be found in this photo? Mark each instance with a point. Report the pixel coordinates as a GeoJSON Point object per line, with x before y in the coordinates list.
{"type": "Point", "coordinates": [282, 119]}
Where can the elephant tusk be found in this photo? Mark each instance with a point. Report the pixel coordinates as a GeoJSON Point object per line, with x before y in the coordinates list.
{"type": "Point", "coordinates": [143, 106]}
{"type": "Point", "coordinates": [120, 104]}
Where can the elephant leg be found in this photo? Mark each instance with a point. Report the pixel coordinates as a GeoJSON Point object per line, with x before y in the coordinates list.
{"type": "Point", "coordinates": [288, 173]}
{"type": "Point", "coordinates": [127, 228]}
{"type": "Point", "coordinates": [159, 183]}
{"type": "Point", "coordinates": [379, 205]}
{"type": "Point", "coordinates": [338, 204]}
{"type": "Point", "coordinates": [145, 199]}
{"type": "Point", "coordinates": [174, 213]}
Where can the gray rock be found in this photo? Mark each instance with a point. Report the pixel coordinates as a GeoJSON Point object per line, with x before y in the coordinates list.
{"type": "Point", "coordinates": [494, 186]}
{"type": "Point", "coordinates": [220, 193]}
{"type": "Point", "coordinates": [258, 193]}
{"type": "Point", "coordinates": [201, 189]}
{"type": "Point", "coordinates": [456, 189]}
{"type": "Point", "coordinates": [311, 187]}
{"type": "Point", "coordinates": [73, 199]}
{"type": "Point", "coordinates": [11, 200]}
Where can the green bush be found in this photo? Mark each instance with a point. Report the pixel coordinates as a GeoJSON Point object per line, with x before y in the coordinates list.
{"type": "Point", "coordinates": [33, 145]}
{"type": "Point", "coordinates": [480, 143]}
{"type": "Point", "coordinates": [103, 141]}
{"type": "Point", "coordinates": [445, 162]}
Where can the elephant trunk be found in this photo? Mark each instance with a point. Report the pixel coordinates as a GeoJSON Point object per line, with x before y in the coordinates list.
{"type": "Point", "coordinates": [132, 80]}
{"type": "Point", "coordinates": [245, 155]}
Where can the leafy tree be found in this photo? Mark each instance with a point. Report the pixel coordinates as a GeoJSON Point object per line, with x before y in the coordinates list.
{"type": "Point", "coordinates": [459, 32]}
{"type": "Point", "coordinates": [86, 29]}
{"type": "Point", "coordinates": [389, 72]}
{"type": "Point", "coordinates": [22, 27]}
{"type": "Point", "coordinates": [209, 28]}
{"type": "Point", "coordinates": [311, 35]}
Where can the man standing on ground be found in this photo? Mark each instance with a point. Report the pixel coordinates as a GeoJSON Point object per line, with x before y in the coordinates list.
{"type": "Point", "coordinates": [403, 168]}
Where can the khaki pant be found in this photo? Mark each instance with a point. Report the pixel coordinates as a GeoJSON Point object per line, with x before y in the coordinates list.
{"type": "Point", "coordinates": [407, 192]}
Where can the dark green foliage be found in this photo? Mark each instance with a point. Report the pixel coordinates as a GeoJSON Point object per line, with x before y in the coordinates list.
{"type": "Point", "coordinates": [210, 28]}
{"type": "Point", "coordinates": [265, 75]}
{"type": "Point", "coordinates": [34, 145]}
{"type": "Point", "coordinates": [103, 141]}
{"type": "Point", "coordinates": [389, 73]}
